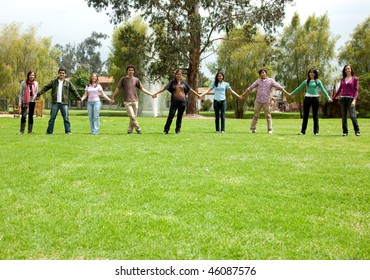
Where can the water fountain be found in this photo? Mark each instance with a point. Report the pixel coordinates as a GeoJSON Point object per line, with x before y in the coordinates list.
{"type": "Point", "coordinates": [154, 106]}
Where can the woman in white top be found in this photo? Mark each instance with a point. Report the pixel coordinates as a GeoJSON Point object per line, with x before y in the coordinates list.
{"type": "Point", "coordinates": [219, 101]}
{"type": "Point", "coordinates": [93, 92]}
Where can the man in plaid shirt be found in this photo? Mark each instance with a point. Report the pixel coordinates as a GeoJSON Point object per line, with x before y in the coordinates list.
{"type": "Point", "coordinates": [263, 85]}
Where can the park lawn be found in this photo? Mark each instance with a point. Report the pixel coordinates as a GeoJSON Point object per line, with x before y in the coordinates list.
{"type": "Point", "coordinates": [197, 195]}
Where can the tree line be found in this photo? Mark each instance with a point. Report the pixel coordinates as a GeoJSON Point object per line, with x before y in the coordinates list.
{"type": "Point", "coordinates": [161, 40]}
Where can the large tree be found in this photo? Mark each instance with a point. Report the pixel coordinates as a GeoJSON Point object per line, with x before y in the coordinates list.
{"type": "Point", "coordinates": [356, 50]}
{"type": "Point", "coordinates": [22, 51]}
{"type": "Point", "coordinates": [84, 55]}
{"type": "Point", "coordinates": [239, 56]}
{"type": "Point", "coordinates": [188, 27]}
{"type": "Point", "coordinates": [304, 46]}
{"type": "Point", "coordinates": [129, 47]}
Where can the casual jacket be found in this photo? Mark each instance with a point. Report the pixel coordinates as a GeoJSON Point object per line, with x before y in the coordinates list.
{"type": "Point", "coordinates": [68, 87]}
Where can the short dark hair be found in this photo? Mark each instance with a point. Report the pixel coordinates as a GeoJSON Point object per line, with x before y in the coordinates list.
{"type": "Point", "coordinates": [262, 70]}
{"type": "Point", "coordinates": [62, 69]}
{"type": "Point", "coordinates": [130, 66]}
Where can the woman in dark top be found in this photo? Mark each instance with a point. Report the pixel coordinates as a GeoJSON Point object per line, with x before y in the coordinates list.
{"type": "Point", "coordinates": [179, 90]}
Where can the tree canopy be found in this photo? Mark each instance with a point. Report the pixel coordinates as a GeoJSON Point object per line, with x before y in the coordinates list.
{"type": "Point", "coordinates": [20, 52]}
{"type": "Point", "coordinates": [84, 55]}
{"type": "Point", "coordinates": [185, 30]}
{"type": "Point", "coordinates": [356, 50]}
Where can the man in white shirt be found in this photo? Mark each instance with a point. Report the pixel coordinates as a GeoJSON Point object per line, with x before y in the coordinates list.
{"type": "Point", "coordinates": [60, 90]}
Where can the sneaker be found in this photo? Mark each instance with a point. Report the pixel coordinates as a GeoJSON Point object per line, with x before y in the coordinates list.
{"type": "Point", "coordinates": [165, 132]}
{"type": "Point", "coordinates": [222, 132]}
{"type": "Point", "coordinates": [252, 131]}
{"type": "Point", "coordinates": [178, 132]}
{"type": "Point", "coordinates": [301, 133]}
{"type": "Point", "coordinates": [316, 134]}
{"type": "Point", "coordinates": [270, 132]}
{"type": "Point", "coordinates": [358, 133]}
{"type": "Point", "coordinates": [345, 134]}
{"type": "Point", "coordinates": [68, 132]}
{"type": "Point", "coordinates": [139, 131]}
{"type": "Point", "coordinates": [129, 132]}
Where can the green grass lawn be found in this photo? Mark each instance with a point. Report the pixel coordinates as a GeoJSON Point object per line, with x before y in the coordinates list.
{"type": "Point", "coordinates": [197, 195]}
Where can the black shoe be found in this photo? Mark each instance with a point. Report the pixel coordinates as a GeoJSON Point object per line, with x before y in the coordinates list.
{"type": "Point", "coordinates": [358, 133]}
{"type": "Point", "coordinates": [129, 132]}
{"type": "Point", "coordinates": [139, 131]}
{"type": "Point", "coordinates": [165, 132]}
{"type": "Point", "coordinates": [345, 134]}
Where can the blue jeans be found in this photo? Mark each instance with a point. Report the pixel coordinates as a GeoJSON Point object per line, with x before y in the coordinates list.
{"type": "Point", "coordinates": [93, 110]}
{"type": "Point", "coordinates": [220, 109]}
{"type": "Point", "coordinates": [55, 107]}
{"type": "Point", "coordinates": [345, 105]}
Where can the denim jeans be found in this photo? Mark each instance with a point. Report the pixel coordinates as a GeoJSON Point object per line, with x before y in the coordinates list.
{"type": "Point", "coordinates": [345, 105]}
{"type": "Point", "coordinates": [31, 111]}
{"type": "Point", "coordinates": [180, 107]}
{"type": "Point", "coordinates": [55, 107]}
{"type": "Point", "coordinates": [220, 108]}
{"type": "Point", "coordinates": [309, 102]}
{"type": "Point", "coordinates": [93, 110]}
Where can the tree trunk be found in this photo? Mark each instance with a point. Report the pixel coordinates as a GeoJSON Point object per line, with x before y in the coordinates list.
{"type": "Point", "coordinates": [194, 61]}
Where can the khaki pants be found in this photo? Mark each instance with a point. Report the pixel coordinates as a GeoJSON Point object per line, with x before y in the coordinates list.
{"type": "Point", "coordinates": [257, 110]}
{"type": "Point", "coordinates": [131, 109]}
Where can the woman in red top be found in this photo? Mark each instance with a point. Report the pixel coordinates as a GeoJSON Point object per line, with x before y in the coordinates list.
{"type": "Point", "coordinates": [348, 90]}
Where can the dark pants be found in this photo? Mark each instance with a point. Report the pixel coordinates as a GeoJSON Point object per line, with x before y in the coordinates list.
{"type": "Point", "coordinates": [55, 107]}
{"type": "Point", "coordinates": [180, 107]}
{"type": "Point", "coordinates": [220, 108]}
{"type": "Point", "coordinates": [345, 106]}
{"type": "Point", "coordinates": [307, 104]}
{"type": "Point", "coordinates": [31, 111]}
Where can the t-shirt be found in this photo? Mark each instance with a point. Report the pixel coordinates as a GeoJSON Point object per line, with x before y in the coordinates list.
{"type": "Point", "coordinates": [178, 91]}
{"type": "Point", "coordinates": [220, 90]}
{"type": "Point", "coordinates": [93, 92]}
{"type": "Point", "coordinates": [129, 86]}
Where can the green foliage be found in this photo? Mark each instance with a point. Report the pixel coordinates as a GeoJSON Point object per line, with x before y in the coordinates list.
{"type": "Point", "coordinates": [356, 51]}
{"type": "Point", "coordinates": [206, 105]}
{"type": "Point", "coordinates": [302, 47]}
{"type": "Point", "coordinates": [129, 47]}
{"type": "Point", "coordinates": [20, 52]}
{"type": "Point", "coordinates": [363, 101]}
{"type": "Point", "coordinates": [80, 79]}
{"type": "Point", "coordinates": [239, 196]}
{"type": "Point", "coordinates": [240, 58]}
{"type": "Point", "coordinates": [83, 55]}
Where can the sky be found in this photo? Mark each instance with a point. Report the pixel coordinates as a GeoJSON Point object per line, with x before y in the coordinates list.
{"type": "Point", "coordinates": [72, 21]}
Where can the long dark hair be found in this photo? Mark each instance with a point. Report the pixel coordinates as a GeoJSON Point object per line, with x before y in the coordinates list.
{"type": "Point", "coordinates": [28, 75]}
{"type": "Point", "coordinates": [216, 80]}
{"type": "Point", "coordinates": [315, 71]}
{"type": "Point", "coordinates": [97, 79]}
{"type": "Point", "coordinates": [344, 71]}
